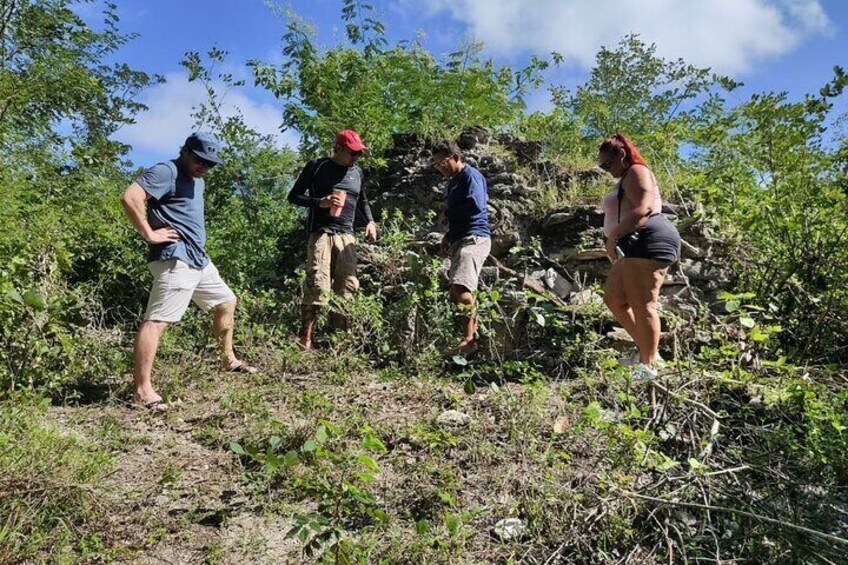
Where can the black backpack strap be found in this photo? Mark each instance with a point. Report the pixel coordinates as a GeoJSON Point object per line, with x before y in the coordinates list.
{"type": "Point", "coordinates": [320, 163]}
{"type": "Point", "coordinates": [620, 195]}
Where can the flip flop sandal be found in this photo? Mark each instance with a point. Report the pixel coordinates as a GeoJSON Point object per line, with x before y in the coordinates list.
{"type": "Point", "coordinates": [243, 368]}
{"type": "Point", "coordinates": [155, 406]}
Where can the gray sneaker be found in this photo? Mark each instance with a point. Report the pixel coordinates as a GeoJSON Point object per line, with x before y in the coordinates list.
{"type": "Point", "coordinates": [634, 360]}
{"type": "Point", "coordinates": [641, 372]}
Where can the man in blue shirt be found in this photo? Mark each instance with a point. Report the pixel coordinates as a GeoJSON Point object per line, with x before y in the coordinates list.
{"type": "Point", "coordinates": [165, 206]}
{"type": "Point", "coordinates": [468, 240]}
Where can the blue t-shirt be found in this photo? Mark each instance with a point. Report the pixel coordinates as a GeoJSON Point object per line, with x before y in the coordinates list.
{"type": "Point", "coordinates": [176, 201]}
{"type": "Point", "coordinates": [465, 200]}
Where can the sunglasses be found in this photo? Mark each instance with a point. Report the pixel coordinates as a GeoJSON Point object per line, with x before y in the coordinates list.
{"type": "Point", "coordinates": [442, 162]}
{"type": "Point", "coordinates": [354, 153]}
{"type": "Point", "coordinates": [203, 162]}
{"type": "Point", "coordinates": [606, 165]}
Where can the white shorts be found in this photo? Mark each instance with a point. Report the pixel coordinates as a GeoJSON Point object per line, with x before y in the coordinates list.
{"type": "Point", "coordinates": [467, 257]}
{"type": "Point", "coordinates": [175, 284]}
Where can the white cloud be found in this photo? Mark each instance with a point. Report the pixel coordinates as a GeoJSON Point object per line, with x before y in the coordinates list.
{"type": "Point", "coordinates": [730, 36]}
{"type": "Point", "coordinates": [162, 129]}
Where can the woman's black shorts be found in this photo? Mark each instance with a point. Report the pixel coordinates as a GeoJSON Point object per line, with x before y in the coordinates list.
{"type": "Point", "coordinates": [658, 240]}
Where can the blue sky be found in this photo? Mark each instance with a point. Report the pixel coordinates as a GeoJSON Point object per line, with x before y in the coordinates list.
{"type": "Point", "coordinates": [770, 45]}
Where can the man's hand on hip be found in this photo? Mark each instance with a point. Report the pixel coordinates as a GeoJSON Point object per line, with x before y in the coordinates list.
{"type": "Point", "coordinates": [163, 235]}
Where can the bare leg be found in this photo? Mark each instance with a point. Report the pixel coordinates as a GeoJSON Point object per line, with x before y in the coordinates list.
{"type": "Point", "coordinates": [468, 323]}
{"type": "Point", "coordinates": [222, 329]}
{"type": "Point", "coordinates": [146, 345]}
{"type": "Point", "coordinates": [616, 300]}
{"type": "Point", "coordinates": [310, 313]}
{"type": "Point", "coordinates": [642, 289]}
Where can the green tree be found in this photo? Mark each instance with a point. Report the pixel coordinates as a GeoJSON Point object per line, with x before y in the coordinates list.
{"type": "Point", "coordinates": [379, 89]}
{"type": "Point", "coordinates": [765, 169]}
{"type": "Point", "coordinates": [54, 69]}
{"type": "Point", "coordinates": [64, 245]}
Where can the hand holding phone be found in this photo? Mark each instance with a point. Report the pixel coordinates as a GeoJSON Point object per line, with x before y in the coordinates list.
{"type": "Point", "coordinates": [619, 252]}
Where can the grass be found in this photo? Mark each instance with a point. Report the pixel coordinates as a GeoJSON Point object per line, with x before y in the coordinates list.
{"type": "Point", "coordinates": [48, 488]}
{"type": "Point", "coordinates": [567, 457]}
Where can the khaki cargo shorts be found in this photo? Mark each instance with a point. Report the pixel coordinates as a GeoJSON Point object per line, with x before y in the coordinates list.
{"type": "Point", "coordinates": [175, 284]}
{"type": "Point", "coordinates": [467, 257]}
{"type": "Point", "coordinates": [330, 265]}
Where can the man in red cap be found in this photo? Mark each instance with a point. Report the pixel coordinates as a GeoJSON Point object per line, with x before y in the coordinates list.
{"type": "Point", "coordinates": [332, 189]}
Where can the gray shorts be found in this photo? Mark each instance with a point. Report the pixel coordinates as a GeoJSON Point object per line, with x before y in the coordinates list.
{"type": "Point", "coordinates": [467, 257]}
{"type": "Point", "coordinates": [175, 284]}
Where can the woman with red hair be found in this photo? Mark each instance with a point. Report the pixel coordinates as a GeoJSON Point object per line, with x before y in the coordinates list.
{"type": "Point", "coordinates": [642, 244]}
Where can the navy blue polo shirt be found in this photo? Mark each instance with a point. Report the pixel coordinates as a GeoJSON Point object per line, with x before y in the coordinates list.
{"type": "Point", "coordinates": [465, 205]}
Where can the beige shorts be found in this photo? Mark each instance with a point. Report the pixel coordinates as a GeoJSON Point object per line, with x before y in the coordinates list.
{"type": "Point", "coordinates": [467, 258]}
{"type": "Point", "coordinates": [175, 284]}
{"type": "Point", "coordinates": [330, 265]}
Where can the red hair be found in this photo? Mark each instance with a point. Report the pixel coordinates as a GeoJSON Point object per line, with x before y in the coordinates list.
{"type": "Point", "coordinates": [621, 141]}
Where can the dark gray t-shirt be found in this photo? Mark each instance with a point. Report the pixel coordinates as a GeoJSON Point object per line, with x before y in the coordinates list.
{"type": "Point", "coordinates": [176, 201]}
{"type": "Point", "coordinates": [319, 178]}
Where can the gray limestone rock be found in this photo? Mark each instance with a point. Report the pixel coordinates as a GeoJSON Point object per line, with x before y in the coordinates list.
{"type": "Point", "coordinates": [510, 529]}
{"type": "Point", "coordinates": [453, 419]}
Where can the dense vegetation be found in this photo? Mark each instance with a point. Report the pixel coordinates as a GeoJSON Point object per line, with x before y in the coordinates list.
{"type": "Point", "coordinates": [654, 472]}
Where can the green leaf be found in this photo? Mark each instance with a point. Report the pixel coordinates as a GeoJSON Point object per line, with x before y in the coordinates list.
{"type": "Point", "coordinates": [34, 299]}
{"type": "Point", "coordinates": [460, 360]}
{"type": "Point", "coordinates": [365, 478]}
{"type": "Point", "coordinates": [748, 322]}
{"type": "Point", "coordinates": [290, 459]}
{"type": "Point", "coordinates": [369, 463]}
{"type": "Point", "coordinates": [731, 306]}
{"type": "Point", "coordinates": [758, 336]}
{"type": "Point", "coordinates": [321, 434]}
{"type": "Point", "coordinates": [309, 446]}
{"type": "Point", "coordinates": [539, 318]}
{"type": "Point", "coordinates": [469, 387]}
{"type": "Point", "coordinates": [381, 515]}
{"type": "Point", "coordinates": [452, 524]}
{"type": "Point", "coordinates": [373, 443]}
{"type": "Point", "coordinates": [237, 448]}
{"type": "Point", "coordinates": [15, 296]}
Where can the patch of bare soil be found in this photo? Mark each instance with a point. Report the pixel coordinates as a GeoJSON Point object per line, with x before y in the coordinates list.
{"type": "Point", "coordinates": [173, 499]}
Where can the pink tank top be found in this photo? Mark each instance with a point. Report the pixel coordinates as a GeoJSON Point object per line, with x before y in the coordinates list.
{"type": "Point", "coordinates": [610, 204]}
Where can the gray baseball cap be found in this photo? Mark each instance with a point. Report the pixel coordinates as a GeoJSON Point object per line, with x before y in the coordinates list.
{"type": "Point", "coordinates": [204, 146]}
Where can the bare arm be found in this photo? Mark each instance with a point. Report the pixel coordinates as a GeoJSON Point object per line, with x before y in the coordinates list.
{"type": "Point", "coordinates": [639, 188]}
{"type": "Point", "coordinates": [134, 201]}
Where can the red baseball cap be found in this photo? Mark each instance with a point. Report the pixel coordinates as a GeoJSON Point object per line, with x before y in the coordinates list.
{"type": "Point", "coordinates": [350, 139]}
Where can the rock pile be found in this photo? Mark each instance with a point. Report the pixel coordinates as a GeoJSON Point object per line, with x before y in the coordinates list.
{"type": "Point", "coordinates": [572, 254]}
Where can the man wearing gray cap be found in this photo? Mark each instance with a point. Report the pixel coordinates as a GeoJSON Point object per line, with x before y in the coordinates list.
{"type": "Point", "coordinates": [165, 206]}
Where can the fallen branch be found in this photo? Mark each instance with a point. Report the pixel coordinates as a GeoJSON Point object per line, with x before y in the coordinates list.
{"type": "Point", "coordinates": [775, 521]}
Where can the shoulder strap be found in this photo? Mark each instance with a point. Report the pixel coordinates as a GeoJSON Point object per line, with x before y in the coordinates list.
{"type": "Point", "coordinates": [318, 164]}
{"type": "Point", "coordinates": [173, 167]}
{"type": "Point", "coordinates": [620, 194]}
